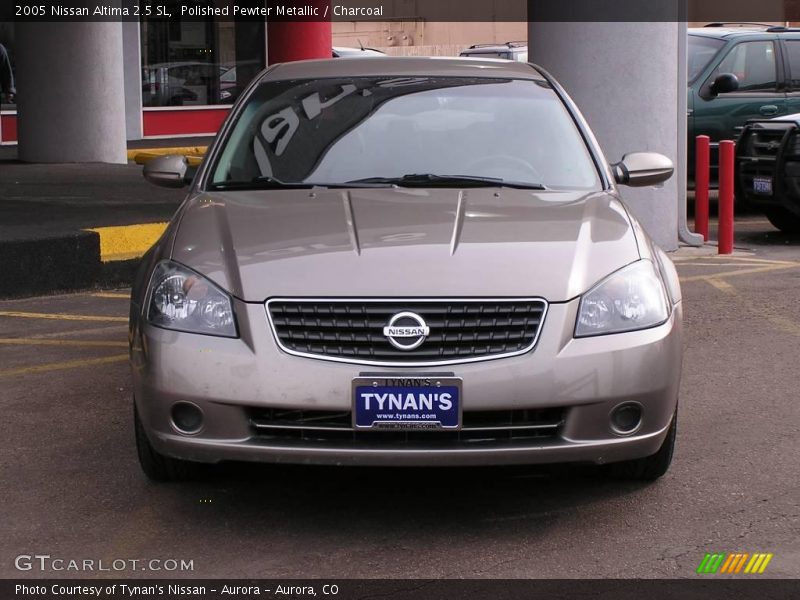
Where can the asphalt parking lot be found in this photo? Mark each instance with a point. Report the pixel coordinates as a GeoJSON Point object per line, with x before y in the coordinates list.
{"type": "Point", "coordinates": [73, 488]}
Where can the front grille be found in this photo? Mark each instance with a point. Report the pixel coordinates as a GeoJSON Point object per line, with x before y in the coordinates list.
{"type": "Point", "coordinates": [315, 426]}
{"type": "Point", "coordinates": [767, 150]}
{"type": "Point", "coordinates": [792, 148]}
{"type": "Point", "coordinates": [460, 330]}
{"type": "Point", "coordinates": [764, 143]}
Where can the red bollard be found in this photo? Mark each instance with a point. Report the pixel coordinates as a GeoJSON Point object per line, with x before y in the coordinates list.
{"type": "Point", "coordinates": [701, 175]}
{"type": "Point", "coordinates": [725, 232]}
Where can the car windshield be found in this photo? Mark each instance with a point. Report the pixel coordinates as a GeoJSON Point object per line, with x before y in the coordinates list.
{"type": "Point", "coordinates": [409, 131]}
{"type": "Point", "coordinates": [701, 50]}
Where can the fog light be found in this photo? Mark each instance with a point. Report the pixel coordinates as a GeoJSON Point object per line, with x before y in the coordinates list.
{"type": "Point", "coordinates": [187, 417]}
{"type": "Point", "coordinates": [626, 418]}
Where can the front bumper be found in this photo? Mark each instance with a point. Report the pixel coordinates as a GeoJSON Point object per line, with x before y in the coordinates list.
{"type": "Point", "coordinates": [587, 378]}
{"type": "Point", "coordinates": [769, 150]}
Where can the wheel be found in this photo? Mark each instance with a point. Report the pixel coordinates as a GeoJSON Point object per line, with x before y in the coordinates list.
{"type": "Point", "coordinates": [652, 467]}
{"type": "Point", "coordinates": [784, 220]}
{"type": "Point", "coordinates": [157, 466]}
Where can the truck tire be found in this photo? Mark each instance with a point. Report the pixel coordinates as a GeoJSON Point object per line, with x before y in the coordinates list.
{"type": "Point", "coordinates": [784, 220]}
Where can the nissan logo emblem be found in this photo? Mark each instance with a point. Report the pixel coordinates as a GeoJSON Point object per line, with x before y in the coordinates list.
{"type": "Point", "coordinates": [406, 331]}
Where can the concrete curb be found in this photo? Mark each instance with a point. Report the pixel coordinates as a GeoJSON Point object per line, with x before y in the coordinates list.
{"type": "Point", "coordinates": [707, 249]}
{"type": "Point", "coordinates": [194, 154]}
{"type": "Point", "coordinates": [127, 241]}
{"type": "Point", "coordinates": [100, 257]}
{"type": "Point", "coordinates": [41, 266]}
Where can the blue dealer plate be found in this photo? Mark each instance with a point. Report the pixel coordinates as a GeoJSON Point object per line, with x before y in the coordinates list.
{"type": "Point", "coordinates": [762, 185]}
{"type": "Point", "coordinates": [407, 403]}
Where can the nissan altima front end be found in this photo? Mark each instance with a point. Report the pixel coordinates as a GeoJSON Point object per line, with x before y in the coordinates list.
{"type": "Point", "coordinates": [406, 262]}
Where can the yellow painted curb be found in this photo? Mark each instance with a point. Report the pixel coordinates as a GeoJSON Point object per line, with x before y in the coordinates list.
{"type": "Point", "coordinates": [145, 157]}
{"type": "Point", "coordinates": [127, 241]}
{"type": "Point", "coordinates": [185, 150]}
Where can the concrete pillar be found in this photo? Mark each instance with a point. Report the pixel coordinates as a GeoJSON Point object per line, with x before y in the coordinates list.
{"type": "Point", "coordinates": [132, 59]}
{"type": "Point", "coordinates": [300, 40]}
{"type": "Point", "coordinates": [626, 79]}
{"type": "Point", "coordinates": [71, 92]}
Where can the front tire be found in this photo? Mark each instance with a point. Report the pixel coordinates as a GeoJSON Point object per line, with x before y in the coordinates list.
{"type": "Point", "coordinates": [786, 221]}
{"type": "Point", "coordinates": [157, 466]}
{"type": "Point", "coordinates": [652, 467]}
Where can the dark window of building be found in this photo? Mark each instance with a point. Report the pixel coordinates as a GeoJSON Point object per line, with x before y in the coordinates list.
{"type": "Point", "coordinates": [199, 63]}
{"type": "Point", "coordinates": [7, 67]}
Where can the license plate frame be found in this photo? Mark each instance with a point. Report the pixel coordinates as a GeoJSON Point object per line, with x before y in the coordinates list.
{"type": "Point", "coordinates": [762, 186]}
{"type": "Point", "coordinates": [365, 411]}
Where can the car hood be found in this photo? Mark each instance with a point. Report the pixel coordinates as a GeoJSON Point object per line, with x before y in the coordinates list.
{"type": "Point", "coordinates": [404, 242]}
{"type": "Point", "coordinates": [794, 117]}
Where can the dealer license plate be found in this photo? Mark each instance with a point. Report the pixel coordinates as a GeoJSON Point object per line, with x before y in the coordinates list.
{"type": "Point", "coordinates": [762, 185]}
{"type": "Point", "coordinates": [407, 402]}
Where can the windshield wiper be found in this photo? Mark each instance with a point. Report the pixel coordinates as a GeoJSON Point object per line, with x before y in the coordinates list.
{"type": "Point", "coordinates": [267, 182]}
{"type": "Point", "coordinates": [433, 180]}
{"type": "Point", "coordinates": [261, 183]}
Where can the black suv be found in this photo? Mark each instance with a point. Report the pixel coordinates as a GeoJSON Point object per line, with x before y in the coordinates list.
{"type": "Point", "coordinates": [737, 72]}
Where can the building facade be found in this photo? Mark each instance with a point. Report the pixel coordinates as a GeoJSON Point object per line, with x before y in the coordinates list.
{"type": "Point", "coordinates": [181, 77]}
{"type": "Point", "coordinates": [176, 77]}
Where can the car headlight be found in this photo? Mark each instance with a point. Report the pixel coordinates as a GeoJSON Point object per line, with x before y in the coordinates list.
{"type": "Point", "coordinates": [630, 299]}
{"type": "Point", "coordinates": [183, 300]}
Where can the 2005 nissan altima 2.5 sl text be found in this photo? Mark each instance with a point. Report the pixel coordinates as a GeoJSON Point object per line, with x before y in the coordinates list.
{"type": "Point", "coordinates": [406, 261]}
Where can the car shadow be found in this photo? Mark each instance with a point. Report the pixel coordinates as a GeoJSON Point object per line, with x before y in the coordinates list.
{"type": "Point", "coordinates": [391, 500]}
{"type": "Point", "coordinates": [772, 237]}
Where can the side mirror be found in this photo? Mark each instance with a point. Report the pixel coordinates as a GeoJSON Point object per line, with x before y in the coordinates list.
{"type": "Point", "coordinates": [639, 169]}
{"type": "Point", "coordinates": [167, 171]}
{"type": "Point", "coordinates": [724, 83]}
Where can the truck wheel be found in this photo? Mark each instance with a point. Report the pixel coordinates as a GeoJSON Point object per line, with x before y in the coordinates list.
{"type": "Point", "coordinates": [652, 467]}
{"type": "Point", "coordinates": [784, 220]}
{"type": "Point", "coordinates": [157, 466]}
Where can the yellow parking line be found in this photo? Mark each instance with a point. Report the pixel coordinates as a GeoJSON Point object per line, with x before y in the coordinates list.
{"type": "Point", "coordinates": [784, 324]}
{"type": "Point", "coordinates": [749, 259]}
{"type": "Point", "coordinates": [70, 364]}
{"type": "Point", "coordinates": [721, 285]}
{"type": "Point", "coordinates": [715, 264]}
{"type": "Point", "coordinates": [40, 342]}
{"type": "Point", "coordinates": [113, 330]}
{"type": "Point", "coordinates": [60, 317]}
{"type": "Point", "coordinates": [765, 269]}
{"type": "Point", "coordinates": [111, 295]}
{"type": "Point", "coordinates": [719, 260]}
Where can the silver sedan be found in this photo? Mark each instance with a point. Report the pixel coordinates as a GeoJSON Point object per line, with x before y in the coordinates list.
{"type": "Point", "coordinates": [406, 261]}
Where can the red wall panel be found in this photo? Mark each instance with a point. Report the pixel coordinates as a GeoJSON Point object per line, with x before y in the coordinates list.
{"type": "Point", "coordinates": [182, 121]}
{"type": "Point", "coordinates": [8, 128]}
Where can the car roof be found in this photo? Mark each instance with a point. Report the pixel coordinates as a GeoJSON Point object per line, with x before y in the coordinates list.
{"type": "Point", "coordinates": [495, 48]}
{"type": "Point", "coordinates": [358, 51]}
{"type": "Point", "coordinates": [722, 32]}
{"type": "Point", "coordinates": [428, 66]}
